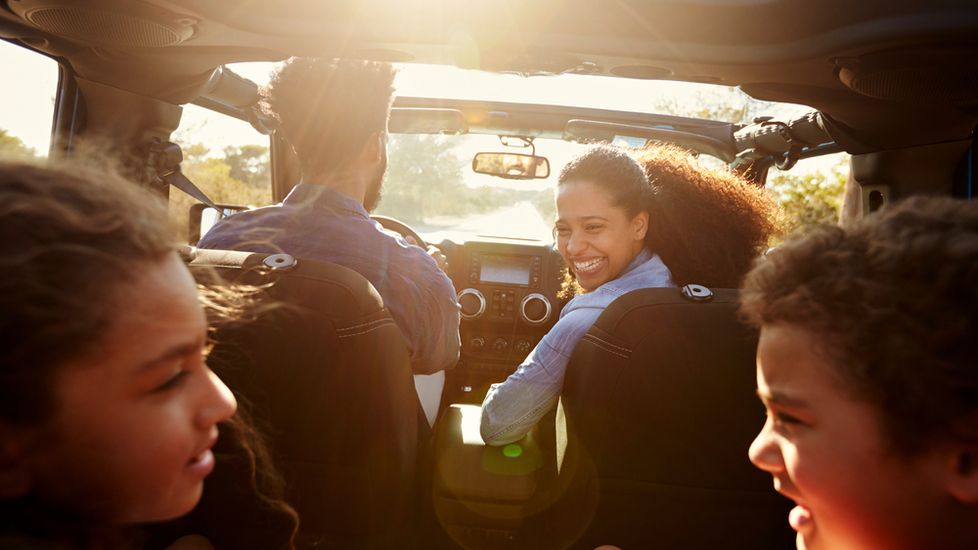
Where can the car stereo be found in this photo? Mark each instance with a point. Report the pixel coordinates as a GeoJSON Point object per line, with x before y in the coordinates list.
{"type": "Point", "coordinates": [505, 269]}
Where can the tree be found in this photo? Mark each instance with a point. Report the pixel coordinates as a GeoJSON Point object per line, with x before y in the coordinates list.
{"type": "Point", "coordinates": [213, 176]}
{"type": "Point", "coordinates": [724, 104]}
{"type": "Point", "coordinates": [811, 198]}
{"type": "Point", "coordinates": [250, 164]}
{"type": "Point", "coordinates": [13, 147]}
{"type": "Point", "coordinates": [805, 198]}
{"type": "Point", "coordinates": [423, 178]}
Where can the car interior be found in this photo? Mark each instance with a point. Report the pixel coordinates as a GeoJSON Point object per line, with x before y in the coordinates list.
{"type": "Point", "coordinates": [648, 445]}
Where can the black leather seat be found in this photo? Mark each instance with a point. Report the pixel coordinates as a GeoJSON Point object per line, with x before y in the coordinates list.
{"type": "Point", "coordinates": [660, 409]}
{"type": "Point", "coordinates": [327, 377]}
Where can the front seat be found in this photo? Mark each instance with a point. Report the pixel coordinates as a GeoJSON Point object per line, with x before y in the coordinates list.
{"type": "Point", "coordinates": [326, 374]}
{"type": "Point", "coordinates": [659, 407]}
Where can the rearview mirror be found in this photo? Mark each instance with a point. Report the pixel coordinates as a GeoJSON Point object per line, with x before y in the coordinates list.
{"type": "Point", "coordinates": [514, 166]}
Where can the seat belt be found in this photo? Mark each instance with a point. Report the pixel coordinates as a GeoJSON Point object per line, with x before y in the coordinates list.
{"type": "Point", "coordinates": [165, 158]}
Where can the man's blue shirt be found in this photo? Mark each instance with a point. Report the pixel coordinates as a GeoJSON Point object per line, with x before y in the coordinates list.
{"type": "Point", "coordinates": [319, 223]}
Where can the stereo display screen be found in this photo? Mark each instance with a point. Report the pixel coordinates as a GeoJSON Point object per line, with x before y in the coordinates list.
{"type": "Point", "coordinates": [510, 270]}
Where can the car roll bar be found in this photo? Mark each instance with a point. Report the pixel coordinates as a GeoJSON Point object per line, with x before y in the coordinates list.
{"type": "Point", "coordinates": [786, 142]}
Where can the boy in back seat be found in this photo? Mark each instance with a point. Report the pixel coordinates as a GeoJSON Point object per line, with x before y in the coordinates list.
{"type": "Point", "coordinates": [868, 367]}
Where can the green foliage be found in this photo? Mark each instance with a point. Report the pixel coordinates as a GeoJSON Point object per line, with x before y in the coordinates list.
{"type": "Point", "coordinates": [543, 201]}
{"type": "Point", "coordinates": [250, 164]}
{"type": "Point", "coordinates": [805, 198]}
{"type": "Point", "coordinates": [810, 198]}
{"type": "Point", "coordinates": [424, 180]}
{"type": "Point", "coordinates": [12, 147]}
{"type": "Point", "coordinates": [215, 176]}
{"type": "Point", "coordinates": [724, 104]}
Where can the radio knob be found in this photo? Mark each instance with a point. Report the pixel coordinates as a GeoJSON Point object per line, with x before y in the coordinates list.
{"type": "Point", "coordinates": [477, 343]}
{"type": "Point", "coordinates": [535, 309]}
{"type": "Point", "coordinates": [523, 346]}
{"type": "Point", "coordinates": [500, 344]}
{"type": "Point", "coordinates": [472, 303]}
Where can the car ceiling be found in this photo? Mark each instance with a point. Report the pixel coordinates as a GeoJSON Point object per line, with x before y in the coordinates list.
{"type": "Point", "coordinates": [896, 73]}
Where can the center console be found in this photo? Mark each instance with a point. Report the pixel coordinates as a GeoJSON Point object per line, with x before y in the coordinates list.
{"type": "Point", "coordinates": [508, 296]}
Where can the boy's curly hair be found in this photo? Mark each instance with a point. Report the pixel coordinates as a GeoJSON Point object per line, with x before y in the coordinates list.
{"type": "Point", "coordinates": [892, 301]}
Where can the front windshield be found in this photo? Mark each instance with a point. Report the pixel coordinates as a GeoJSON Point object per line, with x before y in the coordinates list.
{"type": "Point", "coordinates": [430, 185]}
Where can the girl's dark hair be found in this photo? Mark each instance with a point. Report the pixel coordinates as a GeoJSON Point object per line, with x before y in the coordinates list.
{"type": "Point", "coordinates": [71, 238]}
{"type": "Point", "coordinates": [707, 225]}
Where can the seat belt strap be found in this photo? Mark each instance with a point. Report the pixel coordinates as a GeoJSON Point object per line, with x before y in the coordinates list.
{"type": "Point", "coordinates": [166, 157]}
{"type": "Point", "coordinates": [181, 182]}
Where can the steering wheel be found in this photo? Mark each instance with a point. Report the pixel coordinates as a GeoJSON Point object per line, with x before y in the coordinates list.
{"type": "Point", "coordinates": [398, 226]}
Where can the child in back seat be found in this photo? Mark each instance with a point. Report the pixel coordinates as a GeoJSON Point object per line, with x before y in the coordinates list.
{"type": "Point", "coordinates": [868, 367]}
{"type": "Point", "coordinates": [108, 413]}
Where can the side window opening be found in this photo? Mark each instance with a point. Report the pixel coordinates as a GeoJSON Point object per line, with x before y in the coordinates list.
{"type": "Point", "coordinates": [26, 102]}
{"type": "Point", "coordinates": [812, 191]}
{"type": "Point", "coordinates": [226, 158]}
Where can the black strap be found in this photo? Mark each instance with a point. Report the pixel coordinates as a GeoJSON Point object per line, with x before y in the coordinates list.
{"type": "Point", "coordinates": [181, 182]}
{"type": "Point", "coordinates": [166, 157]}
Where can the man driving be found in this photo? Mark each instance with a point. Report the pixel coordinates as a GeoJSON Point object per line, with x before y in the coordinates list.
{"type": "Point", "coordinates": [334, 113]}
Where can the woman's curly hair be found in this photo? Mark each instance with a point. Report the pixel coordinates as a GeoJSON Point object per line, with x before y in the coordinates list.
{"type": "Point", "coordinates": [707, 225]}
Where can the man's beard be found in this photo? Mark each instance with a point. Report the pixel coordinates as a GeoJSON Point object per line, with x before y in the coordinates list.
{"type": "Point", "coordinates": [373, 194]}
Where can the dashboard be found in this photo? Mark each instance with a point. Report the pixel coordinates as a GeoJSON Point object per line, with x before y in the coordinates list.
{"type": "Point", "coordinates": [507, 291]}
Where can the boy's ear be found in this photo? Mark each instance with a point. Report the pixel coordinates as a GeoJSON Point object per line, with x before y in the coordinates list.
{"type": "Point", "coordinates": [15, 476]}
{"type": "Point", "coordinates": [962, 473]}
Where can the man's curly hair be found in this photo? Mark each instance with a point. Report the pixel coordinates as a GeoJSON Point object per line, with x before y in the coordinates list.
{"type": "Point", "coordinates": [328, 108]}
{"type": "Point", "coordinates": [892, 301]}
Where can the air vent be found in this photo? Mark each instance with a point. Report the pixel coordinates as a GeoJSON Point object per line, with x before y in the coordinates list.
{"type": "Point", "coordinates": [910, 76]}
{"type": "Point", "coordinates": [94, 25]}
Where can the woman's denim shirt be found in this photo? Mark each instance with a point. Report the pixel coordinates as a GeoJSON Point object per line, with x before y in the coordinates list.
{"type": "Point", "coordinates": [513, 407]}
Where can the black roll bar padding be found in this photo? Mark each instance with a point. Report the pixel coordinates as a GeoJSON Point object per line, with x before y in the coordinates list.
{"type": "Point", "coordinates": [777, 138]}
{"type": "Point", "coordinates": [234, 95]}
{"type": "Point", "coordinates": [232, 89]}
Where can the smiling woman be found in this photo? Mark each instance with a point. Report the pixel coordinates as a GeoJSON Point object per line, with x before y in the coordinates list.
{"type": "Point", "coordinates": [625, 224]}
{"type": "Point", "coordinates": [600, 229]}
